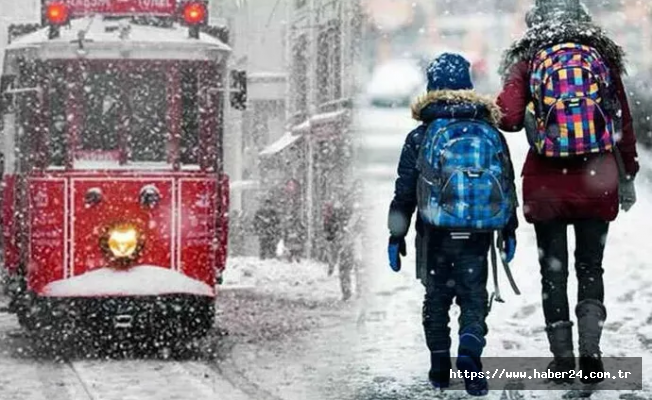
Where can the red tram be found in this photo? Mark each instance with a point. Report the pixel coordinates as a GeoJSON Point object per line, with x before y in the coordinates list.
{"type": "Point", "coordinates": [115, 200]}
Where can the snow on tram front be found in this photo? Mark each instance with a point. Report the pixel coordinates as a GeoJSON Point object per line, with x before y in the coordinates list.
{"type": "Point", "coordinates": [115, 198]}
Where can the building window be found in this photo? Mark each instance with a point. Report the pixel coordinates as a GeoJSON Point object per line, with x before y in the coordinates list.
{"type": "Point", "coordinates": [329, 63]}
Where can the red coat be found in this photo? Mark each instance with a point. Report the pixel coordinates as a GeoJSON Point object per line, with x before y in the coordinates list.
{"type": "Point", "coordinates": [567, 188]}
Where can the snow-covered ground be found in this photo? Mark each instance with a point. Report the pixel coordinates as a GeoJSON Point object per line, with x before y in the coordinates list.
{"type": "Point", "coordinates": [265, 312]}
{"type": "Point", "coordinates": [393, 341]}
{"type": "Point", "coordinates": [263, 307]}
{"type": "Point", "coordinates": [375, 350]}
{"type": "Point", "coordinates": [290, 338]}
{"type": "Point", "coordinates": [306, 280]}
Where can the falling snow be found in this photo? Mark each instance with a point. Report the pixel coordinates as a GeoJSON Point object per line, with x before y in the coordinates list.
{"type": "Point", "coordinates": [289, 255]}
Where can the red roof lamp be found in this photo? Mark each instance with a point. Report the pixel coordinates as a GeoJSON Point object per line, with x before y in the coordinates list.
{"type": "Point", "coordinates": [57, 13]}
{"type": "Point", "coordinates": [195, 13]}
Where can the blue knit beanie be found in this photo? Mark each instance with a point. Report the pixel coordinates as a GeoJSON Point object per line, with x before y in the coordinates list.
{"type": "Point", "coordinates": [449, 72]}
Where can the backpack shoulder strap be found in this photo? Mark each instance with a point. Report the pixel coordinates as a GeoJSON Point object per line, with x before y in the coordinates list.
{"type": "Point", "coordinates": [538, 66]}
{"type": "Point", "coordinates": [423, 167]}
{"type": "Point", "coordinates": [494, 271]}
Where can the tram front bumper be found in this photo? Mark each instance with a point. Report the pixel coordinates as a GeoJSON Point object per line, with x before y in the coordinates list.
{"type": "Point", "coordinates": [181, 314]}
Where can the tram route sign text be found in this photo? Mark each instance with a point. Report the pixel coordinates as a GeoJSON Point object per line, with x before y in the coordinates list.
{"type": "Point", "coordinates": [122, 7]}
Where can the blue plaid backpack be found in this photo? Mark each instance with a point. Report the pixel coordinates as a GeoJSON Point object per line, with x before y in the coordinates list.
{"type": "Point", "coordinates": [465, 176]}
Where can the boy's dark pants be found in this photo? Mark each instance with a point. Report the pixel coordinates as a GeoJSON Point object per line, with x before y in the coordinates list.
{"type": "Point", "coordinates": [456, 268]}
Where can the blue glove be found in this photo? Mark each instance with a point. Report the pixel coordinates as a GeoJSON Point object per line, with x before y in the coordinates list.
{"type": "Point", "coordinates": [395, 250]}
{"type": "Point", "coordinates": [508, 247]}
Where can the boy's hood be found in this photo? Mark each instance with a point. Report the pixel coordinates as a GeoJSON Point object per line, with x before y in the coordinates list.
{"type": "Point", "coordinates": [455, 104]}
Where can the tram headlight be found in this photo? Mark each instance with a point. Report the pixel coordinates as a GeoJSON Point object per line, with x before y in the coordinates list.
{"type": "Point", "coordinates": [122, 242]}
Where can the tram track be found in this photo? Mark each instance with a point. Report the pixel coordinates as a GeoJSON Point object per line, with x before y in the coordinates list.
{"type": "Point", "coordinates": [87, 389]}
{"type": "Point", "coordinates": [151, 379]}
{"type": "Point", "coordinates": [237, 378]}
{"type": "Point", "coordinates": [212, 368]}
{"type": "Point", "coordinates": [155, 379]}
{"type": "Point", "coordinates": [27, 376]}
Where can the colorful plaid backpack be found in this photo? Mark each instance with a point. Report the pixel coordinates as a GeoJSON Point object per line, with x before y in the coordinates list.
{"type": "Point", "coordinates": [465, 176]}
{"type": "Point", "coordinates": [571, 88]}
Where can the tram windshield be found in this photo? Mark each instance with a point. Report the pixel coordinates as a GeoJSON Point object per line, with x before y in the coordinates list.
{"type": "Point", "coordinates": [108, 114]}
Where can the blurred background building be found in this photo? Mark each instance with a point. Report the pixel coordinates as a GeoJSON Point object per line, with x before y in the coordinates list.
{"type": "Point", "coordinates": [258, 37]}
{"type": "Point", "coordinates": [416, 30]}
{"type": "Point", "coordinates": [322, 38]}
{"type": "Point", "coordinates": [29, 12]}
{"type": "Point", "coordinates": [291, 144]}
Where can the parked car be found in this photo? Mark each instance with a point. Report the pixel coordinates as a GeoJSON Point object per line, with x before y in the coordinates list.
{"type": "Point", "coordinates": [395, 83]}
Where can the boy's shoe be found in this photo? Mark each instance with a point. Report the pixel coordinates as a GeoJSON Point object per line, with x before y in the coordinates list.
{"type": "Point", "coordinates": [440, 367]}
{"type": "Point", "coordinates": [477, 386]}
{"type": "Point", "coordinates": [468, 359]}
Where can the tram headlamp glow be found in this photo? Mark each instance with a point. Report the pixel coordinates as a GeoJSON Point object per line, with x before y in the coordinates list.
{"type": "Point", "coordinates": [122, 243]}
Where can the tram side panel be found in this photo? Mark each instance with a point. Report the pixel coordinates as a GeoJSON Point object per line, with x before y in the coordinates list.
{"type": "Point", "coordinates": [197, 233]}
{"type": "Point", "coordinates": [10, 226]}
{"type": "Point", "coordinates": [47, 232]}
{"type": "Point", "coordinates": [222, 218]}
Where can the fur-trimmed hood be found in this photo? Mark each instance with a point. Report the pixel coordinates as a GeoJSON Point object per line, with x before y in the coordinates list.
{"type": "Point", "coordinates": [455, 104]}
{"type": "Point", "coordinates": [563, 30]}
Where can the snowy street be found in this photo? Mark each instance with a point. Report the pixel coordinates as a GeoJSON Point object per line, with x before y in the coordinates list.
{"type": "Point", "coordinates": [392, 346]}
{"type": "Point", "coordinates": [240, 360]}
{"type": "Point", "coordinates": [283, 334]}
{"type": "Point", "coordinates": [153, 150]}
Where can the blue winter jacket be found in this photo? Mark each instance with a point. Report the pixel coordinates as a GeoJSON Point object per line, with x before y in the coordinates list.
{"type": "Point", "coordinates": [433, 106]}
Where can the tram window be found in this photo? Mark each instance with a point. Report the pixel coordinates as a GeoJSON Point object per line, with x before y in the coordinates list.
{"type": "Point", "coordinates": [57, 123]}
{"type": "Point", "coordinates": [102, 112]}
{"type": "Point", "coordinates": [126, 108]}
{"type": "Point", "coordinates": [189, 116]}
{"type": "Point", "coordinates": [147, 127]}
{"type": "Point", "coordinates": [30, 142]}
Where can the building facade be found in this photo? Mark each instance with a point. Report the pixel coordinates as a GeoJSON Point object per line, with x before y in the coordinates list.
{"type": "Point", "coordinates": [291, 145]}
{"type": "Point", "coordinates": [258, 35]}
{"type": "Point", "coordinates": [311, 162]}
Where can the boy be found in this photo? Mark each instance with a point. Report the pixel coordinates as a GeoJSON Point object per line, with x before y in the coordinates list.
{"type": "Point", "coordinates": [455, 169]}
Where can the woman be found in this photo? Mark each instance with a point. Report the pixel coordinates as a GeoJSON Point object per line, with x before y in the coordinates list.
{"type": "Point", "coordinates": [582, 191]}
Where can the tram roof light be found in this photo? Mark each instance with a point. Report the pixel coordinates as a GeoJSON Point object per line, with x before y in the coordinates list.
{"type": "Point", "coordinates": [57, 13]}
{"type": "Point", "coordinates": [195, 13]}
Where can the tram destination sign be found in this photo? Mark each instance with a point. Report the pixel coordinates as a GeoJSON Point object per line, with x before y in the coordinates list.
{"type": "Point", "coordinates": [120, 7]}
